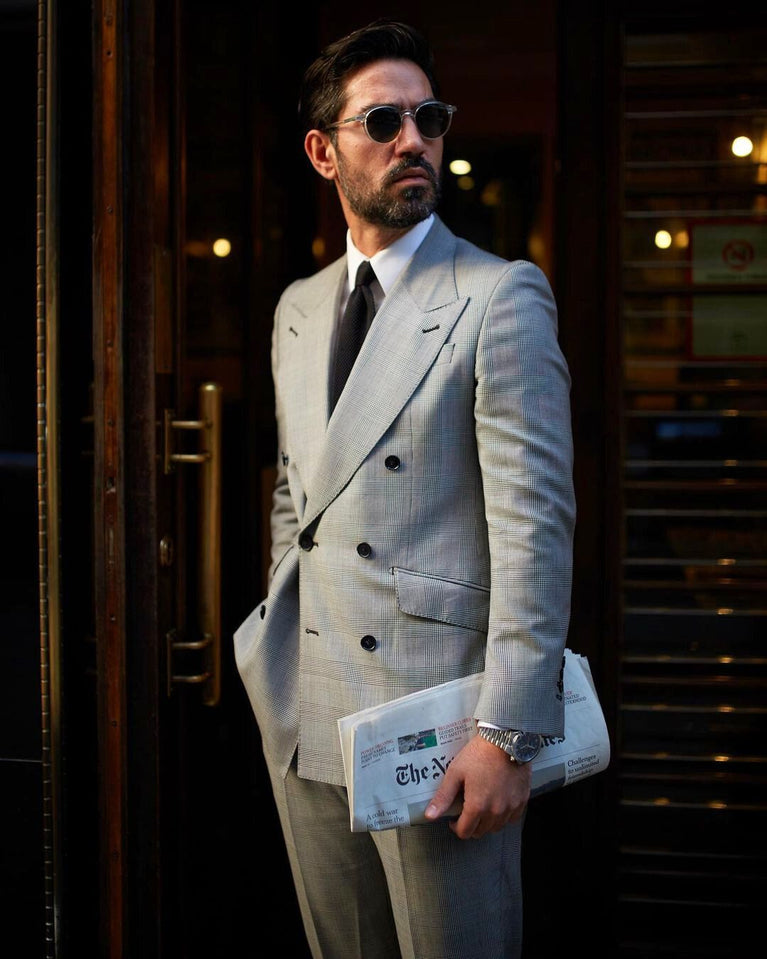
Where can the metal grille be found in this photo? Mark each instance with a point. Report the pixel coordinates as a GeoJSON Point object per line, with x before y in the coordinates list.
{"type": "Point", "coordinates": [691, 733]}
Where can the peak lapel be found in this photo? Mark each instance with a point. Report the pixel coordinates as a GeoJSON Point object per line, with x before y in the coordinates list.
{"type": "Point", "coordinates": [306, 337]}
{"type": "Point", "coordinates": [406, 337]}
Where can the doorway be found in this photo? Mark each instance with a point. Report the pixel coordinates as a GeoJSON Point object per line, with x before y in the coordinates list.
{"type": "Point", "coordinates": [199, 207]}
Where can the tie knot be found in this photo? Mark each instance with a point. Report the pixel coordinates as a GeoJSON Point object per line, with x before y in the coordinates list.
{"type": "Point", "coordinates": [365, 274]}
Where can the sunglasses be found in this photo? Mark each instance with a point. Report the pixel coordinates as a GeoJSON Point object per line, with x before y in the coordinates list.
{"type": "Point", "coordinates": [383, 123]}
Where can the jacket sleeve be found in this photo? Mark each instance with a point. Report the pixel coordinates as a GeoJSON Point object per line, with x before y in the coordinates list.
{"type": "Point", "coordinates": [524, 441]}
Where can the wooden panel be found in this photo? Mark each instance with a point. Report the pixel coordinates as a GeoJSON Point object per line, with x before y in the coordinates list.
{"type": "Point", "coordinates": [109, 476]}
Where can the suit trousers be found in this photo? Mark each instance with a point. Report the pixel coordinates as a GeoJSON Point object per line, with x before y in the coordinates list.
{"type": "Point", "coordinates": [412, 893]}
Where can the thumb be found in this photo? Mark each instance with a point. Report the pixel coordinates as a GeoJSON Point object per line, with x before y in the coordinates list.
{"type": "Point", "coordinates": [444, 798]}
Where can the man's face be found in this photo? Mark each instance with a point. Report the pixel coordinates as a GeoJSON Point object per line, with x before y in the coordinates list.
{"type": "Point", "coordinates": [393, 184]}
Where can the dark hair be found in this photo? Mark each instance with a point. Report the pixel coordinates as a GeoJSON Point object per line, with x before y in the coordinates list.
{"type": "Point", "coordinates": [322, 91]}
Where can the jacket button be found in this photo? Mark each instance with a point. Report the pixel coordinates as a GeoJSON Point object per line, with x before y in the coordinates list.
{"type": "Point", "coordinates": [392, 462]}
{"type": "Point", "coordinates": [369, 643]}
{"type": "Point", "coordinates": [364, 549]}
{"type": "Point", "coordinates": [262, 611]}
{"type": "Point", "coordinates": [306, 541]}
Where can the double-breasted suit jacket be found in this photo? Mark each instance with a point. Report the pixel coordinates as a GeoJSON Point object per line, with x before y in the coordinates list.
{"type": "Point", "coordinates": [423, 530]}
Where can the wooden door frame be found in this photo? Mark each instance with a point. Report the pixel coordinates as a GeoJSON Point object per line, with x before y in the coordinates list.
{"type": "Point", "coordinates": [109, 478]}
{"type": "Point", "coordinates": [126, 439]}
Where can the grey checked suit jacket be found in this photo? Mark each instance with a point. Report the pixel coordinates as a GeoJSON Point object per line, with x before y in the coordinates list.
{"type": "Point", "coordinates": [423, 531]}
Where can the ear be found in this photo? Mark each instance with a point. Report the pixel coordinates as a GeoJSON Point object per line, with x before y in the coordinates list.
{"type": "Point", "coordinates": [321, 153]}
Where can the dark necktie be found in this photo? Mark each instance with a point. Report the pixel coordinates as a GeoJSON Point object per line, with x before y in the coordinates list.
{"type": "Point", "coordinates": [355, 323]}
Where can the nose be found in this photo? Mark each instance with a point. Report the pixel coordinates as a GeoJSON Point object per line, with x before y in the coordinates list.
{"type": "Point", "coordinates": [409, 139]}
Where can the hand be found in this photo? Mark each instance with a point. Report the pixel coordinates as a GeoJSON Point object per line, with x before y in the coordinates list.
{"type": "Point", "coordinates": [495, 790]}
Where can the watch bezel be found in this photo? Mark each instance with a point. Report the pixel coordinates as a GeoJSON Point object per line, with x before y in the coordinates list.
{"type": "Point", "coordinates": [524, 746]}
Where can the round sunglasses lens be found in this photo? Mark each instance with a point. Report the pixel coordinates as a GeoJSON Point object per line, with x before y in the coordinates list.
{"type": "Point", "coordinates": [432, 120]}
{"type": "Point", "coordinates": [383, 124]}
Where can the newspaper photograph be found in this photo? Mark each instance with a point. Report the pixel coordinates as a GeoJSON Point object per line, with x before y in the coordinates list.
{"type": "Point", "coordinates": [395, 755]}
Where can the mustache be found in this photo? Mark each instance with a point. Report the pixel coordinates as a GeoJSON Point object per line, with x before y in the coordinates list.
{"type": "Point", "coordinates": [412, 163]}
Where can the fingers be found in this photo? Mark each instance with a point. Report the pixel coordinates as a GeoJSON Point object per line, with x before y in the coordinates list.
{"type": "Point", "coordinates": [474, 825]}
{"type": "Point", "coordinates": [444, 797]}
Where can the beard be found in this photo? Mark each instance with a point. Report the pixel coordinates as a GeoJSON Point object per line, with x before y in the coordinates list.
{"type": "Point", "coordinates": [384, 205]}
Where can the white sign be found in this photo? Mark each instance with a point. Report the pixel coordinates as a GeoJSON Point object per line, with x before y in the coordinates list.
{"type": "Point", "coordinates": [729, 252]}
{"type": "Point", "coordinates": [729, 326]}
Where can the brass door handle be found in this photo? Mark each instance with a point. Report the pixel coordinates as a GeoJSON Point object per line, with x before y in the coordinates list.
{"type": "Point", "coordinates": [208, 458]}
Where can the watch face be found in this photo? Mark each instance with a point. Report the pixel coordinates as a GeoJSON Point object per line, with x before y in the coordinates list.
{"type": "Point", "coordinates": [525, 746]}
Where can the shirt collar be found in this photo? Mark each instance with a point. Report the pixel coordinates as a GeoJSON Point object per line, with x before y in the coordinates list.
{"type": "Point", "coordinates": [392, 260]}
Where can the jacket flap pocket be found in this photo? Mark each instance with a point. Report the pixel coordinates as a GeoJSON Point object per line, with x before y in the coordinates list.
{"type": "Point", "coordinates": [447, 600]}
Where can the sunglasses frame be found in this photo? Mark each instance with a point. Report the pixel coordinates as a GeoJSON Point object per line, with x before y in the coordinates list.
{"type": "Point", "coordinates": [363, 118]}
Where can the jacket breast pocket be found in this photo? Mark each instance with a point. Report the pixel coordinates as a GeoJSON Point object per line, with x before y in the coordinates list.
{"type": "Point", "coordinates": [446, 600]}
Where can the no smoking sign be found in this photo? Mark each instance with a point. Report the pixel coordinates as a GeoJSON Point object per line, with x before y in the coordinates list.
{"type": "Point", "coordinates": [734, 252]}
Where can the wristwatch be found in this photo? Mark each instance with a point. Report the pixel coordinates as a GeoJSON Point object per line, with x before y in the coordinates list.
{"type": "Point", "coordinates": [522, 747]}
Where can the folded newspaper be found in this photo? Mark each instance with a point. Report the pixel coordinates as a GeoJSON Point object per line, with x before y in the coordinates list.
{"type": "Point", "coordinates": [395, 755]}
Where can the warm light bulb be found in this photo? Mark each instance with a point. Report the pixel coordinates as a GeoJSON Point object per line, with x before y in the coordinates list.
{"type": "Point", "coordinates": [222, 247]}
{"type": "Point", "coordinates": [460, 167]}
{"type": "Point", "coordinates": [663, 239]}
{"type": "Point", "coordinates": [742, 146]}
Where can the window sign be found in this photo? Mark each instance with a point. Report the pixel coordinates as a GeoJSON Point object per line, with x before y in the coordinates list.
{"type": "Point", "coordinates": [729, 326]}
{"type": "Point", "coordinates": [730, 252]}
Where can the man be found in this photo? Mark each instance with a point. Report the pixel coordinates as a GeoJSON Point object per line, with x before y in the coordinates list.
{"type": "Point", "coordinates": [421, 526]}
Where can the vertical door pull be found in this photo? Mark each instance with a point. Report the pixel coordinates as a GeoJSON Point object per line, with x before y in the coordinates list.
{"type": "Point", "coordinates": [209, 545]}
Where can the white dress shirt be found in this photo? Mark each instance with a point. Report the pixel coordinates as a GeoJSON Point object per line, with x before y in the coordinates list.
{"type": "Point", "coordinates": [387, 263]}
